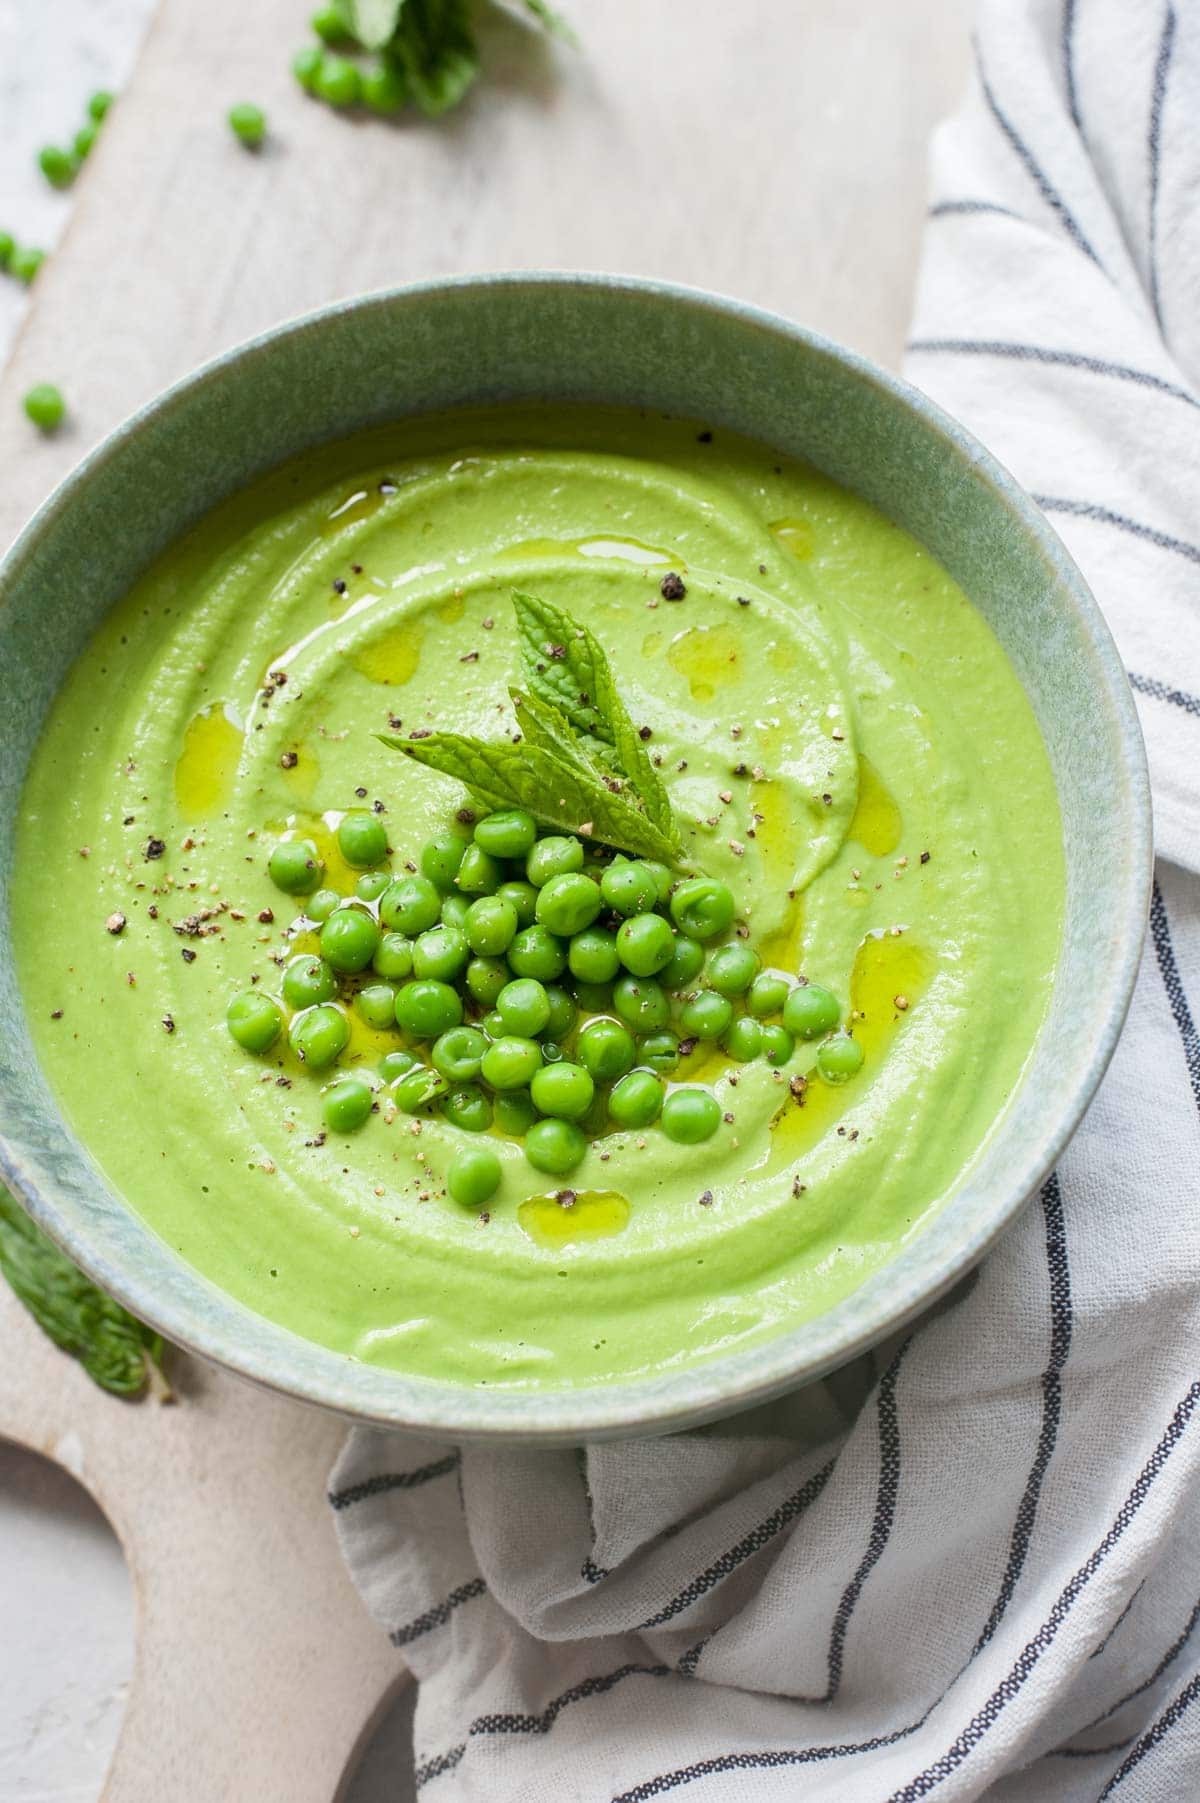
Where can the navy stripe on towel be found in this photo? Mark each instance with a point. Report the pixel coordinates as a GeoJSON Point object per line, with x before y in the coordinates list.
{"type": "Point", "coordinates": [392, 1480]}
{"type": "Point", "coordinates": [1040, 353]}
{"type": "Point", "coordinates": [438, 1615]}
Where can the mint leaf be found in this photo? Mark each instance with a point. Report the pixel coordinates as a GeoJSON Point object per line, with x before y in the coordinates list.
{"type": "Point", "coordinates": [562, 792]}
{"type": "Point", "coordinates": [373, 21]}
{"type": "Point", "coordinates": [567, 668]}
{"type": "Point", "coordinates": [435, 43]}
{"type": "Point", "coordinates": [115, 1350]}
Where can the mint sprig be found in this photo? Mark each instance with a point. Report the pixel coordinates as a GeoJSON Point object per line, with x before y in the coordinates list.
{"type": "Point", "coordinates": [433, 42]}
{"type": "Point", "coordinates": [579, 765]}
{"type": "Point", "coordinates": [115, 1350]}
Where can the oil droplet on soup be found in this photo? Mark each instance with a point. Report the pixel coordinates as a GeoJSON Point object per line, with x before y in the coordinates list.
{"type": "Point", "coordinates": [393, 657]}
{"type": "Point", "coordinates": [208, 761]}
{"type": "Point", "coordinates": [595, 1214]}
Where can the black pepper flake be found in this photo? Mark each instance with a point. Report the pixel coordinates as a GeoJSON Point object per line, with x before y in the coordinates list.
{"type": "Point", "coordinates": [762, 569]}
{"type": "Point", "coordinates": [289, 759]}
{"type": "Point", "coordinates": [283, 1082]}
{"type": "Point", "coordinates": [56, 1014]}
{"type": "Point", "coordinates": [378, 807]}
{"type": "Point", "coordinates": [704, 437]}
{"type": "Point", "coordinates": [743, 600]}
{"type": "Point", "coordinates": [395, 722]}
{"type": "Point", "coordinates": [469, 657]}
{"type": "Point", "coordinates": [128, 820]}
{"type": "Point", "coordinates": [356, 568]}
{"type": "Point", "coordinates": [168, 1022]}
{"type": "Point", "coordinates": [705, 1200]}
{"type": "Point", "coordinates": [798, 1188]}
{"type": "Point", "coordinates": [422, 732]}
{"type": "Point", "coordinates": [152, 911]}
{"type": "Point", "coordinates": [565, 1198]}
{"type": "Point", "coordinates": [798, 1085]}
{"type": "Point", "coordinates": [154, 848]}
{"type": "Point", "coordinates": [828, 800]}
{"type": "Point", "coordinates": [672, 586]}
{"type": "Point", "coordinates": [645, 732]}
{"type": "Point", "coordinates": [115, 924]}
{"type": "Point", "coordinates": [266, 916]}
{"type": "Point", "coordinates": [686, 1047]}
{"type": "Point", "coordinates": [465, 816]}
{"type": "Point", "coordinates": [557, 652]}
{"type": "Point", "coordinates": [187, 954]}
{"type": "Point", "coordinates": [924, 857]}
{"type": "Point", "coordinates": [727, 1118]}
{"type": "Point", "coordinates": [339, 585]}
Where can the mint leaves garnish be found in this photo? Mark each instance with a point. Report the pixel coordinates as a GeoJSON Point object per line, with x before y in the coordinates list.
{"type": "Point", "coordinates": [432, 42]}
{"type": "Point", "coordinates": [115, 1350]}
{"type": "Point", "coordinates": [580, 765]}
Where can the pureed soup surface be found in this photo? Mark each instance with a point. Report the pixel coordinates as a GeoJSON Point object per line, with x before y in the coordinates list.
{"type": "Point", "coordinates": [892, 832]}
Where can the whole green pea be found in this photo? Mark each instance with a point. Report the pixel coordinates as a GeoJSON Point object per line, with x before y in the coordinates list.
{"type": "Point", "coordinates": [511, 1063]}
{"type": "Point", "coordinates": [307, 981]}
{"type": "Point", "coordinates": [493, 1025]}
{"type": "Point", "coordinates": [660, 1051]}
{"type": "Point", "coordinates": [777, 1045]}
{"type": "Point", "coordinates": [45, 407]}
{"type": "Point", "coordinates": [455, 909]}
{"type": "Point", "coordinates": [371, 885]}
{"type": "Point", "coordinates": [563, 1012]}
{"type": "Point", "coordinates": [568, 903]}
{"type": "Point", "coordinates": [629, 888]}
{"type": "Point", "coordinates": [467, 1107]}
{"type": "Point", "coordinates": [687, 961]}
{"type": "Point", "coordinates": [255, 1020]}
{"type": "Point", "coordinates": [426, 1008]}
{"type": "Point", "coordinates": [349, 939]}
{"type": "Point", "coordinates": [702, 907]}
{"type": "Point", "coordinates": [362, 838]}
{"type": "Point", "coordinates": [514, 1112]}
{"type": "Point", "coordinates": [479, 873]}
{"type": "Point", "coordinates": [524, 1007]}
{"type": "Point", "coordinates": [376, 1005]}
{"type": "Point", "coordinates": [306, 66]}
{"type": "Point", "coordinates": [555, 1146]}
{"type": "Point", "coordinates": [458, 1053]}
{"type": "Point", "coordinates": [410, 905]}
{"type": "Point", "coordinates": [474, 1176]}
{"type": "Point", "coordinates": [84, 141]}
{"type": "Point", "coordinates": [418, 1088]}
{"type": "Point", "coordinates": [690, 1115]}
{"type": "Point", "coordinates": [605, 1049]}
{"type": "Point", "coordinates": [535, 952]}
{"type": "Point", "coordinates": [485, 978]}
{"type": "Point", "coordinates": [295, 867]}
{"type": "Point", "coordinates": [592, 955]}
{"type": "Point", "coordinates": [395, 1064]}
{"type": "Point", "coordinates": [8, 245]}
{"type": "Point", "coordinates": [319, 1035]}
{"type": "Point", "coordinates": [100, 104]}
{"type": "Point", "coordinates": [441, 858]}
{"type": "Point", "coordinates": [732, 968]}
{"type": "Point", "coordinates": [321, 905]}
{"type": "Point", "coordinates": [645, 944]}
{"type": "Point", "coordinates": [637, 1100]}
{"type": "Point", "coordinates": [384, 89]}
{"type": "Point", "coordinates": [248, 123]}
{"type": "Point", "coordinates": [706, 1015]}
{"type": "Point", "coordinates": [839, 1058]}
{"type": "Point", "coordinates": [553, 856]}
{"type": "Point", "coordinates": [491, 925]}
{"type": "Point", "coordinates": [564, 1090]}
{"type": "Point", "coordinates": [641, 1003]}
{"type": "Point", "coordinates": [329, 23]}
{"type": "Point", "coordinates": [508, 834]}
{"type": "Point", "coordinates": [442, 952]}
{"type": "Point", "coordinates": [743, 1039]}
{"type": "Point", "coordinates": [664, 879]}
{"type": "Point", "coordinates": [810, 1011]}
{"type": "Point", "coordinates": [523, 897]}
{"type": "Point", "coordinates": [58, 166]}
{"type": "Point", "coordinates": [338, 82]}
{"type": "Point", "coordinates": [25, 262]}
{"type": "Point", "coordinates": [767, 994]}
{"type": "Point", "coordinates": [347, 1104]}
{"type": "Point", "coordinates": [393, 957]}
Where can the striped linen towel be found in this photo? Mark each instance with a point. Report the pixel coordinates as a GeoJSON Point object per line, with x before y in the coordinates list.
{"type": "Point", "coordinates": [969, 1566]}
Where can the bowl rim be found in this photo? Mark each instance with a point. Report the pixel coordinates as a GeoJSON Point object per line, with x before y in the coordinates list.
{"type": "Point", "coordinates": [905, 1286]}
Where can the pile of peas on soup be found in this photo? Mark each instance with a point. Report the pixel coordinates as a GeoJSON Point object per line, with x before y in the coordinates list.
{"type": "Point", "coordinates": [538, 988]}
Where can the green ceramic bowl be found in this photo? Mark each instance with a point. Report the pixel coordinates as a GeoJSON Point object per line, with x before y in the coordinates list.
{"type": "Point", "coordinates": [586, 338]}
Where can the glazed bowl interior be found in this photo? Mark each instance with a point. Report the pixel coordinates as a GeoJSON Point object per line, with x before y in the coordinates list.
{"type": "Point", "coordinates": [586, 339]}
